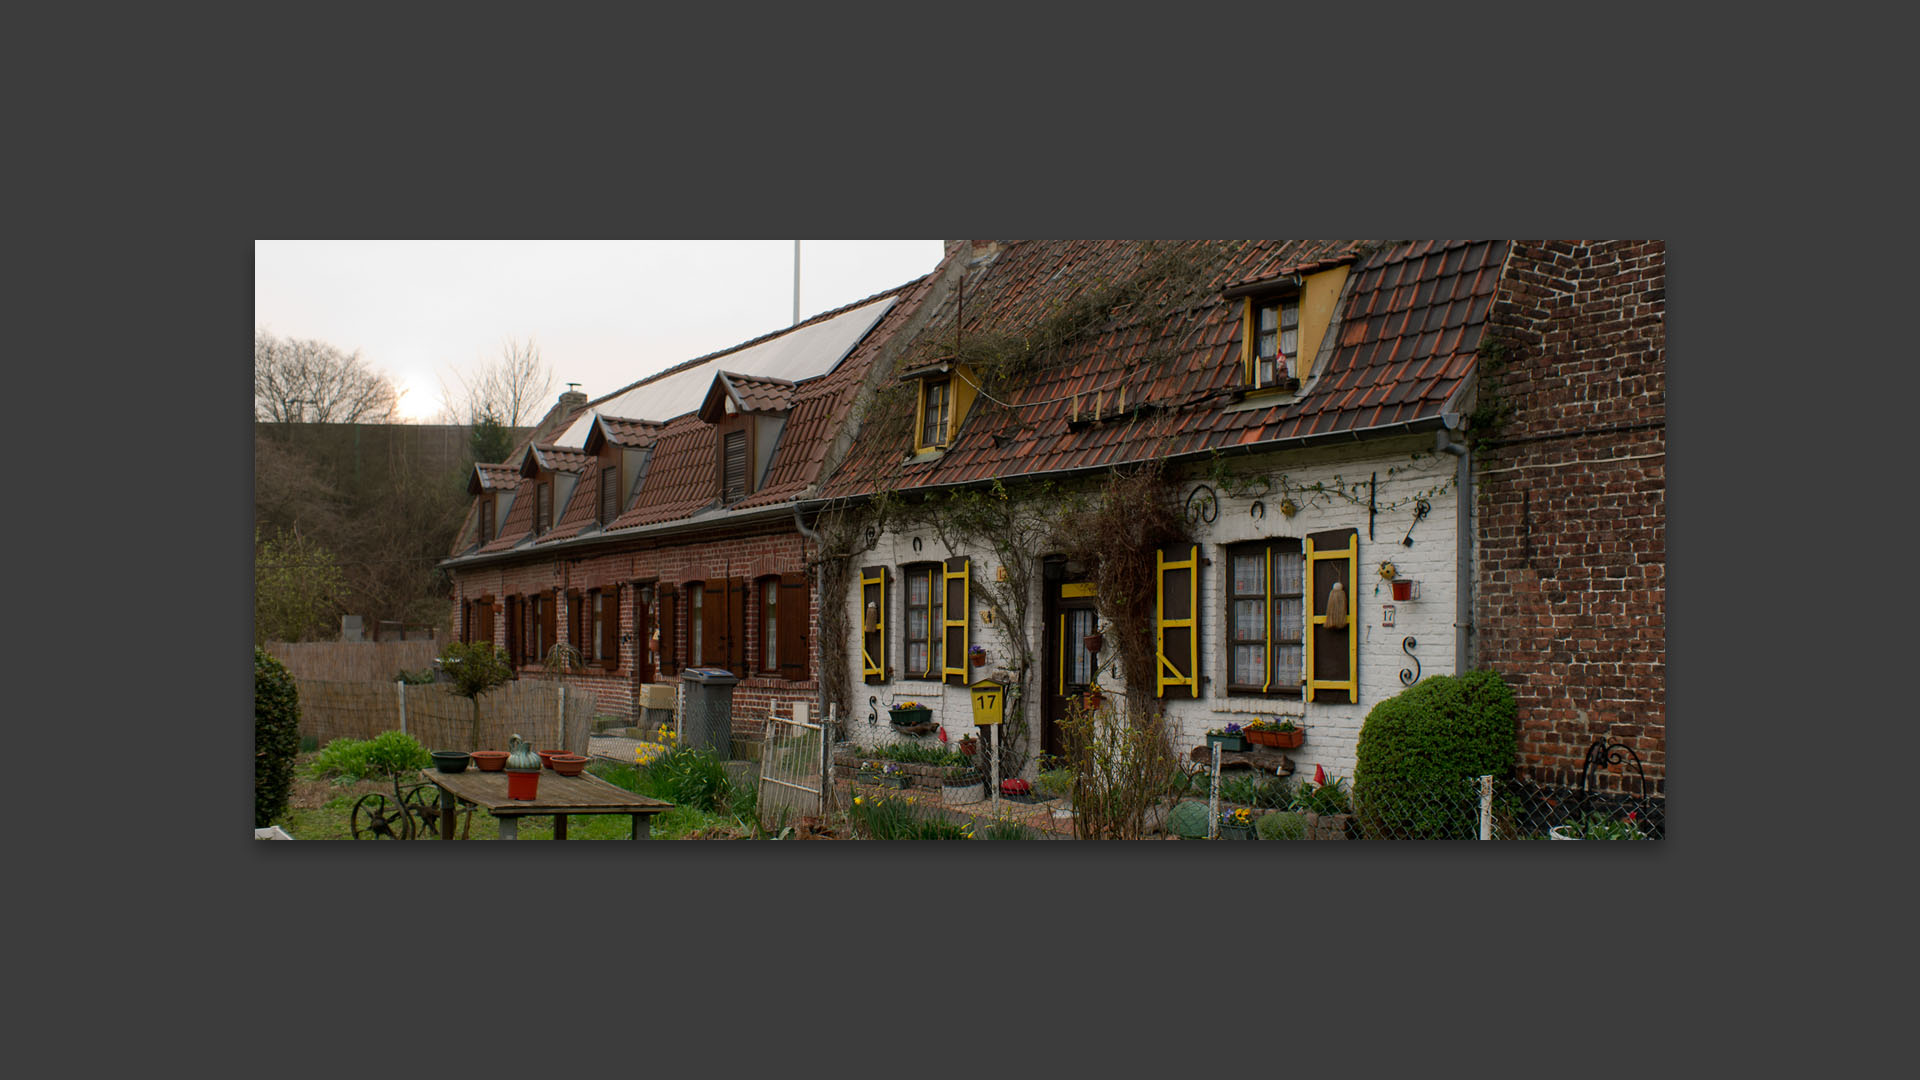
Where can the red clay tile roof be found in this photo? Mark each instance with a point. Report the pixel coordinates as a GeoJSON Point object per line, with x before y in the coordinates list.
{"type": "Point", "coordinates": [623, 431]}
{"type": "Point", "coordinates": [759, 393]}
{"type": "Point", "coordinates": [555, 459]}
{"type": "Point", "coordinates": [1408, 329]}
{"type": "Point", "coordinates": [492, 477]}
{"type": "Point", "coordinates": [519, 523]}
{"type": "Point", "coordinates": [583, 507]}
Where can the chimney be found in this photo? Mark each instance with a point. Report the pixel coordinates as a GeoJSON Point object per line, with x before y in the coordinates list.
{"type": "Point", "coordinates": [571, 402]}
{"type": "Point", "coordinates": [977, 248]}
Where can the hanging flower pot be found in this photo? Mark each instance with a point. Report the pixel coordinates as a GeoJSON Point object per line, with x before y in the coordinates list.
{"type": "Point", "coordinates": [1404, 589]}
{"type": "Point", "coordinates": [1095, 641]}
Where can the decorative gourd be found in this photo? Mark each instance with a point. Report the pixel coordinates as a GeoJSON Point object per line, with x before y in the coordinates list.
{"type": "Point", "coordinates": [522, 758]}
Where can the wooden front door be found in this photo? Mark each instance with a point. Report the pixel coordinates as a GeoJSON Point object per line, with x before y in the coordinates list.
{"type": "Point", "coordinates": [1068, 667]}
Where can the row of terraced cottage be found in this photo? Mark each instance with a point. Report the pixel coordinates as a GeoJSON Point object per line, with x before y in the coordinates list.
{"type": "Point", "coordinates": [867, 508]}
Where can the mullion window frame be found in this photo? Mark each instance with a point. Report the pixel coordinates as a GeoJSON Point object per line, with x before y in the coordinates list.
{"type": "Point", "coordinates": [1267, 553]}
{"type": "Point", "coordinates": [935, 620]}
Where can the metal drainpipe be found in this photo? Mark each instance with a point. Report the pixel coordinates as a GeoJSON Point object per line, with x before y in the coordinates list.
{"type": "Point", "coordinates": [1463, 535]}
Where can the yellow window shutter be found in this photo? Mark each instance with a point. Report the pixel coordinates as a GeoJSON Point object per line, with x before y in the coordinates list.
{"type": "Point", "coordinates": [873, 623]}
{"type": "Point", "coordinates": [1333, 645]}
{"type": "Point", "coordinates": [1177, 621]}
{"type": "Point", "coordinates": [956, 584]}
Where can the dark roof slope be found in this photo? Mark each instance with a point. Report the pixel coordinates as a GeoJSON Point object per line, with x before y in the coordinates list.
{"type": "Point", "coordinates": [1407, 331]}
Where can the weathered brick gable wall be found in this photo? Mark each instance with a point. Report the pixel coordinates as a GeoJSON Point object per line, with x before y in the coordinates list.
{"type": "Point", "coordinates": [1571, 482]}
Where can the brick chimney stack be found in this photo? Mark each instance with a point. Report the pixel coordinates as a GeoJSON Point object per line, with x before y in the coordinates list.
{"type": "Point", "coordinates": [557, 418]}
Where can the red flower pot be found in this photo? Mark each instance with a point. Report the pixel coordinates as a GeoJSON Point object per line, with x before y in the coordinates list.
{"type": "Point", "coordinates": [490, 760]}
{"type": "Point", "coordinates": [1402, 589]}
{"type": "Point", "coordinates": [523, 784]}
{"type": "Point", "coordinates": [547, 756]}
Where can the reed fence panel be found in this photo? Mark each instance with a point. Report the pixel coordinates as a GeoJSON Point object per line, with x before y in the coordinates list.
{"type": "Point", "coordinates": [551, 714]}
{"type": "Point", "coordinates": [353, 661]}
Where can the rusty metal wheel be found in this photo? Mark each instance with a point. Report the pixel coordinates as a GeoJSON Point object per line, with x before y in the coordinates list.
{"type": "Point", "coordinates": [423, 805]}
{"type": "Point", "coordinates": [378, 816]}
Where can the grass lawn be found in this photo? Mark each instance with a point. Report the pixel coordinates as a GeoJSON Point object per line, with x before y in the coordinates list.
{"type": "Point", "coordinates": [322, 810]}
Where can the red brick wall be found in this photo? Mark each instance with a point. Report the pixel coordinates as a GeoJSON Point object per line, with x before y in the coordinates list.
{"type": "Point", "coordinates": [691, 558]}
{"type": "Point", "coordinates": [1570, 602]}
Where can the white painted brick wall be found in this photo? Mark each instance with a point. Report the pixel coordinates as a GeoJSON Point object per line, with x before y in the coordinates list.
{"type": "Point", "coordinates": [1332, 729]}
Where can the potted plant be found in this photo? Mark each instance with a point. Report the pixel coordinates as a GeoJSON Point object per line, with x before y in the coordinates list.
{"type": "Point", "coordinates": [909, 714]}
{"type": "Point", "coordinates": [868, 773]}
{"type": "Point", "coordinates": [1230, 737]}
{"type": "Point", "coordinates": [895, 777]}
{"type": "Point", "coordinates": [969, 745]}
{"type": "Point", "coordinates": [523, 770]}
{"type": "Point", "coordinates": [1325, 804]}
{"type": "Point", "coordinates": [979, 656]}
{"type": "Point", "coordinates": [1236, 824]}
{"type": "Point", "coordinates": [961, 785]}
{"type": "Point", "coordinates": [1278, 732]}
{"type": "Point", "coordinates": [1092, 697]}
{"type": "Point", "coordinates": [1598, 826]}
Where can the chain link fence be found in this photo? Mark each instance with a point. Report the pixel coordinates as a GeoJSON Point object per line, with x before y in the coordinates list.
{"type": "Point", "coordinates": [1248, 806]}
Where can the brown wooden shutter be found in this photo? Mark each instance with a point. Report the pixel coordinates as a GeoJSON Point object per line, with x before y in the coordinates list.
{"type": "Point", "coordinates": [642, 628]}
{"type": "Point", "coordinates": [513, 630]}
{"type": "Point", "coordinates": [577, 618]}
{"type": "Point", "coordinates": [713, 624]}
{"type": "Point", "coordinates": [549, 619]}
{"type": "Point", "coordinates": [669, 631]}
{"type": "Point", "coordinates": [734, 465]}
{"type": "Point", "coordinates": [1177, 622]}
{"type": "Point", "coordinates": [956, 603]}
{"type": "Point", "coordinates": [1331, 654]}
{"type": "Point", "coordinates": [610, 629]}
{"type": "Point", "coordinates": [486, 619]}
{"type": "Point", "coordinates": [792, 619]}
{"type": "Point", "coordinates": [873, 630]}
{"type": "Point", "coordinates": [737, 626]}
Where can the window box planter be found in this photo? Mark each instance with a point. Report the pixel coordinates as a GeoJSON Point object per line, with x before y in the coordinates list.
{"type": "Point", "coordinates": [1281, 740]}
{"type": "Point", "coordinates": [1228, 742]}
{"type": "Point", "coordinates": [910, 717]}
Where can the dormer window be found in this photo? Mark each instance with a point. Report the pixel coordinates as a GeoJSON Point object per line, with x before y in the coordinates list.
{"type": "Point", "coordinates": [1273, 360]}
{"type": "Point", "coordinates": [1282, 325]}
{"type": "Point", "coordinates": [486, 520]}
{"type": "Point", "coordinates": [936, 413]}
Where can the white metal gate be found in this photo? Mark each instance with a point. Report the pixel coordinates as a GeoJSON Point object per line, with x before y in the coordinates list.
{"type": "Point", "coordinates": [795, 764]}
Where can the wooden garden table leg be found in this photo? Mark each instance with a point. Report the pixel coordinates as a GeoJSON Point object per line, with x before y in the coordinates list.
{"type": "Point", "coordinates": [559, 826]}
{"type": "Point", "coordinates": [446, 814]}
{"type": "Point", "coordinates": [642, 826]}
{"type": "Point", "coordinates": [510, 827]}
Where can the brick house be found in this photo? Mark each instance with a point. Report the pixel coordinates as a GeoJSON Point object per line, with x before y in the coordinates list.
{"type": "Point", "coordinates": [653, 529]}
{"type": "Point", "coordinates": [1316, 409]}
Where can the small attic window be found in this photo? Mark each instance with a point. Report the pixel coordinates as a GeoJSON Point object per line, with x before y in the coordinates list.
{"type": "Point", "coordinates": [543, 509]}
{"type": "Point", "coordinates": [935, 413]}
{"type": "Point", "coordinates": [1271, 343]}
{"type": "Point", "coordinates": [486, 519]}
{"type": "Point", "coordinates": [609, 492]}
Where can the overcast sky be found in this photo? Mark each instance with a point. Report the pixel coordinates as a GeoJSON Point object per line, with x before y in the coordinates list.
{"type": "Point", "coordinates": [603, 313]}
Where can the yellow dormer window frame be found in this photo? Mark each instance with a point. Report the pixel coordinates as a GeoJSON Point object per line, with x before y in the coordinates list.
{"type": "Point", "coordinates": [1303, 306]}
{"type": "Point", "coordinates": [933, 415]}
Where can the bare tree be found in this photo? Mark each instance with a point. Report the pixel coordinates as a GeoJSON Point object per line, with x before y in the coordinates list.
{"type": "Point", "coordinates": [512, 390]}
{"type": "Point", "coordinates": [314, 382]}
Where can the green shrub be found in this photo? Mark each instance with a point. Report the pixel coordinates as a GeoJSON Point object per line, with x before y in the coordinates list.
{"type": "Point", "coordinates": [1417, 748]}
{"type": "Point", "coordinates": [1261, 790]}
{"type": "Point", "coordinates": [1057, 783]}
{"type": "Point", "coordinates": [476, 667]}
{"type": "Point", "coordinates": [389, 753]}
{"type": "Point", "coordinates": [276, 736]}
{"type": "Point", "coordinates": [1281, 825]}
{"type": "Point", "coordinates": [1327, 798]}
{"type": "Point", "coordinates": [414, 678]}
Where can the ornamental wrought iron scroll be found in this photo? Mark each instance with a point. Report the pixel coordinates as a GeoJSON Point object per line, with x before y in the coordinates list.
{"type": "Point", "coordinates": [1202, 505]}
{"type": "Point", "coordinates": [1409, 676]}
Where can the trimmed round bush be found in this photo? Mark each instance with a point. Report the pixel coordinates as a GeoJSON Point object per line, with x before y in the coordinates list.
{"type": "Point", "coordinates": [276, 736]}
{"type": "Point", "coordinates": [1418, 748]}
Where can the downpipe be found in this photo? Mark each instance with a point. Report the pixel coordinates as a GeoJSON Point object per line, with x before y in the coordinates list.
{"type": "Point", "coordinates": [1443, 442]}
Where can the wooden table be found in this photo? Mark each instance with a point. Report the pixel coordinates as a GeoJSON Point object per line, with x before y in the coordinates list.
{"type": "Point", "coordinates": [558, 795]}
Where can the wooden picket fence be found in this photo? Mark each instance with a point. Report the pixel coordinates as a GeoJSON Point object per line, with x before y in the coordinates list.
{"type": "Point", "coordinates": [353, 661]}
{"type": "Point", "coordinates": [551, 714]}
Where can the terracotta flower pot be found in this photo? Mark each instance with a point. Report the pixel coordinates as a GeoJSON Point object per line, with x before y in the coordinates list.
{"type": "Point", "coordinates": [490, 760]}
{"type": "Point", "coordinates": [523, 784]}
{"type": "Point", "coordinates": [547, 756]}
{"type": "Point", "coordinates": [567, 764]}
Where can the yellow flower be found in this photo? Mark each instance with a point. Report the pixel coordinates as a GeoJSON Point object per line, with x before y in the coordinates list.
{"type": "Point", "coordinates": [858, 801]}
